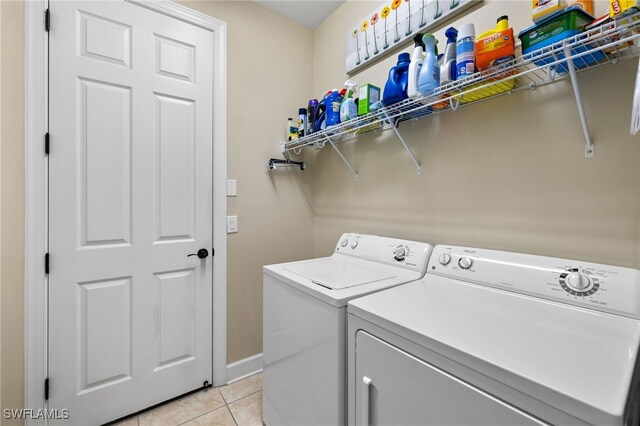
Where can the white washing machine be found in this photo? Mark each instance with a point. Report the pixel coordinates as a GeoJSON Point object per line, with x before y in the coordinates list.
{"type": "Point", "coordinates": [497, 338]}
{"type": "Point", "coordinates": [305, 319]}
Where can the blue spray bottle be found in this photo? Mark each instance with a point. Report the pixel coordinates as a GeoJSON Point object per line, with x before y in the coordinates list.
{"type": "Point", "coordinates": [448, 68]}
{"type": "Point", "coordinates": [429, 78]}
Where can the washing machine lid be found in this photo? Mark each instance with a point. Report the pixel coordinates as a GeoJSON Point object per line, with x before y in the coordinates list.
{"type": "Point", "coordinates": [575, 360]}
{"type": "Point", "coordinates": [338, 274]}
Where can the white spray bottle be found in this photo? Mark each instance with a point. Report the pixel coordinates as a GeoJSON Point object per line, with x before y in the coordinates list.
{"type": "Point", "coordinates": [349, 109]}
{"type": "Point", "coordinates": [414, 66]}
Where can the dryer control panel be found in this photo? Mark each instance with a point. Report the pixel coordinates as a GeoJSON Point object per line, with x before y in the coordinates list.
{"type": "Point", "coordinates": [409, 254]}
{"type": "Point", "coordinates": [595, 286]}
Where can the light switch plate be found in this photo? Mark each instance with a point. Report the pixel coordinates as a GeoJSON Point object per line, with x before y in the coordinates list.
{"type": "Point", "coordinates": [232, 224]}
{"type": "Point", "coordinates": [231, 187]}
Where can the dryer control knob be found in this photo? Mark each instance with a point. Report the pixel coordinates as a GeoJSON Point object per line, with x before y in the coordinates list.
{"type": "Point", "coordinates": [578, 281]}
{"type": "Point", "coordinates": [344, 242]}
{"type": "Point", "coordinates": [465, 262]}
{"type": "Point", "coordinates": [354, 244]}
{"type": "Point", "coordinates": [444, 259]}
{"type": "Point", "coordinates": [400, 252]}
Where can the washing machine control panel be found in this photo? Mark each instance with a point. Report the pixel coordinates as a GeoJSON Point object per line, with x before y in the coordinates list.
{"type": "Point", "coordinates": [408, 254]}
{"type": "Point", "coordinates": [590, 285]}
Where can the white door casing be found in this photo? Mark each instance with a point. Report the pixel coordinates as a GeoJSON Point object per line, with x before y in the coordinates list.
{"type": "Point", "coordinates": [132, 201]}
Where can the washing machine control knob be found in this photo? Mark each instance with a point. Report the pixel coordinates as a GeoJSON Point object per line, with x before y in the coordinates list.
{"type": "Point", "coordinates": [344, 242]}
{"type": "Point", "coordinates": [400, 253]}
{"type": "Point", "coordinates": [578, 281]}
{"type": "Point", "coordinates": [444, 259]}
{"type": "Point", "coordinates": [465, 262]}
{"type": "Point", "coordinates": [354, 244]}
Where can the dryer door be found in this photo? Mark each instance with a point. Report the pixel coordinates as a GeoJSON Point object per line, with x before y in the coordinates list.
{"type": "Point", "coordinates": [395, 388]}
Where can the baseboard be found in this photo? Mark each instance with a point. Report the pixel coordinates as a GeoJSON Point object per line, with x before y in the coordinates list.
{"type": "Point", "coordinates": [244, 368]}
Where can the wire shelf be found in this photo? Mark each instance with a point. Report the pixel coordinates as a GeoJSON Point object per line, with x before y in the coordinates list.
{"type": "Point", "coordinates": [605, 44]}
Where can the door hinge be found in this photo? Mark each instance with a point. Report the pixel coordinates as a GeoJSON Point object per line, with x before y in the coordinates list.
{"type": "Point", "coordinates": [46, 389]}
{"type": "Point", "coordinates": [47, 20]}
{"type": "Point", "coordinates": [46, 143]}
{"type": "Point", "coordinates": [46, 263]}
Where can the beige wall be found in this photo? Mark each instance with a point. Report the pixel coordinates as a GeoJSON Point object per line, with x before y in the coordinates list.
{"type": "Point", "coordinates": [269, 76]}
{"type": "Point", "coordinates": [508, 173]}
{"type": "Point", "coordinates": [12, 203]}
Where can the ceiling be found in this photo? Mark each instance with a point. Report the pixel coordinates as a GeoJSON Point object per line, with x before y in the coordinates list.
{"type": "Point", "coordinates": [307, 13]}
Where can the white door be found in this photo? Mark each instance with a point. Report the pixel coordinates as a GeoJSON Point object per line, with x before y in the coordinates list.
{"type": "Point", "coordinates": [130, 196]}
{"type": "Point", "coordinates": [395, 388]}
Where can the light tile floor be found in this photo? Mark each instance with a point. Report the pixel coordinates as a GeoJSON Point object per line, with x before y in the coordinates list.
{"type": "Point", "coordinates": [239, 403]}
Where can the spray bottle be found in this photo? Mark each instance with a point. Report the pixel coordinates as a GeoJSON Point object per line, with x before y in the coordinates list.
{"type": "Point", "coordinates": [414, 66]}
{"type": "Point", "coordinates": [429, 78]}
{"type": "Point", "coordinates": [349, 109]}
{"type": "Point", "coordinates": [448, 68]}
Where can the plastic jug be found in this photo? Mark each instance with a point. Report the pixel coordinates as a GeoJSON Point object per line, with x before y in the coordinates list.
{"type": "Point", "coordinates": [395, 90]}
{"type": "Point", "coordinates": [321, 113]}
{"type": "Point", "coordinates": [334, 100]}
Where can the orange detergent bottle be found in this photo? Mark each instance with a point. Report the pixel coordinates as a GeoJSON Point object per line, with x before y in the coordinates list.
{"type": "Point", "coordinates": [495, 44]}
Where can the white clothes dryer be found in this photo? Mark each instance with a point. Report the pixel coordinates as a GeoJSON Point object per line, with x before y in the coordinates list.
{"type": "Point", "coordinates": [498, 338]}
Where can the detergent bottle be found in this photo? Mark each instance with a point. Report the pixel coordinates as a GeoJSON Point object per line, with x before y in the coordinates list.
{"type": "Point", "coordinates": [429, 78]}
{"type": "Point", "coordinates": [448, 68]}
{"type": "Point", "coordinates": [414, 66]}
{"type": "Point", "coordinates": [395, 90]}
{"type": "Point", "coordinates": [496, 45]}
{"type": "Point", "coordinates": [333, 107]}
{"type": "Point", "coordinates": [349, 109]}
{"type": "Point", "coordinates": [321, 114]}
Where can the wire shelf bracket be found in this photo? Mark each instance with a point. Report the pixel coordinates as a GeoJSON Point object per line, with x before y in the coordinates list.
{"type": "Point", "coordinates": [355, 173]}
{"type": "Point", "coordinates": [589, 148]}
{"type": "Point", "coordinates": [404, 144]}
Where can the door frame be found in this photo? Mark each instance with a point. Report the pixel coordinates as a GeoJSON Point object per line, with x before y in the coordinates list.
{"type": "Point", "coordinates": [36, 190]}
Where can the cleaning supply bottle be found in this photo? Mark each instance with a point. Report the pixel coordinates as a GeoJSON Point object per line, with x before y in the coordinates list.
{"type": "Point", "coordinates": [333, 108]}
{"type": "Point", "coordinates": [429, 78]}
{"type": "Point", "coordinates": [292, 130]}
{"type": "Point", "coordinates": [395, 90]}
{"type": "Point", "coordinates": [466, 51]}
{"type": "Point", "coordinates": [448, 68]}
{"type": "Point", "coordinates": [321, 114]}
{"type": "Point", "coordinates": [349, 109]}
{"type": "Point", "coordinates": [496, 45]}
{"type": "Point", "coordinates": [302, 122]}
{"type": "Point", "coordinates": [414, 66]}
{"type": "Point", "coordinates": [312, 112]}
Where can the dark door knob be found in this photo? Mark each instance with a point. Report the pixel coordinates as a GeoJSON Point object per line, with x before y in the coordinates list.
{"type": "Point", "coordinates": [202, 253]}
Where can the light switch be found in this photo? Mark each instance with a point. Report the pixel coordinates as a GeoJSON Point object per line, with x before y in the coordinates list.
{"type": "Point", "coordinates": [232, 224]}
{"type": "Point", "coordinates": [231, 187]}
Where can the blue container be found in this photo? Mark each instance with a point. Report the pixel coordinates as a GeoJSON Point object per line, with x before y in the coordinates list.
{"type": "Point", "coordinates": [321, 112]}
{"type": "Point", "coordinates": [555, 28]}
{"type": "Point", "coordinates": [395, 90]}
{"type": "Point", "coordinates": [334, 100]}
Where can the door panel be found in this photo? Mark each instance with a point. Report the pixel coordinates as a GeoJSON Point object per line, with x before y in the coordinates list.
{"type": "Point", "coordinates": [105, 150]}
{"type": "Point", "coordinates": [130, 197]}
{"type": "Point", "coordinates": [176, 324]}
{"type": "Point", "coordinates": [175, 120]}
{"type": "Point", "coordinates": [105, 331]}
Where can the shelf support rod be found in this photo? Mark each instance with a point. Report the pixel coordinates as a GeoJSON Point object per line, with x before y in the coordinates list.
{"type": "Point", "coordinates": [589, 149]}
{"type": "Point", "coordinates": [413, 158]}
{"type": "Point", "coordinates": [355, 174]}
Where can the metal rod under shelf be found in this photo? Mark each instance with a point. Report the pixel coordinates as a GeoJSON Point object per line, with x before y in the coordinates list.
{"type": "Point", "coordinates": [276, 162]}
